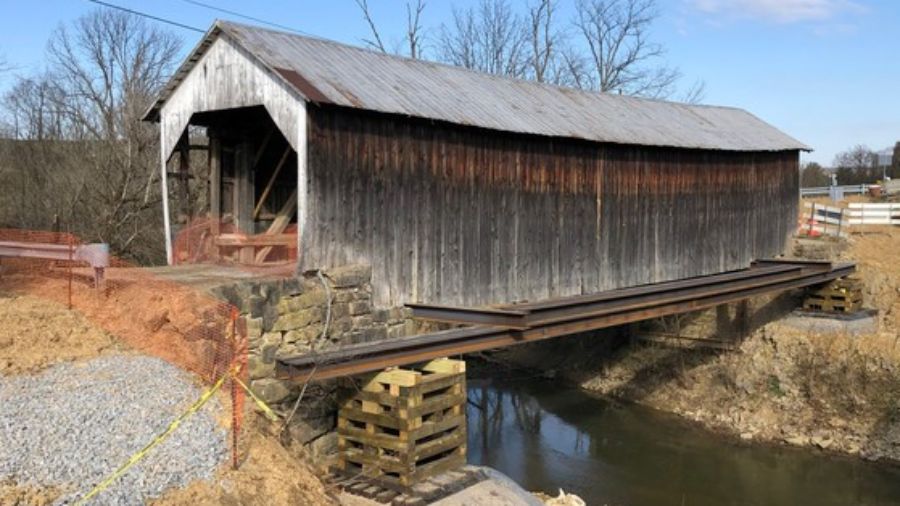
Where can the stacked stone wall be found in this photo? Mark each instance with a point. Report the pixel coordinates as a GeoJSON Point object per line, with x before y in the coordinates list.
{"type": "Point", "coordinates": [309, 313]}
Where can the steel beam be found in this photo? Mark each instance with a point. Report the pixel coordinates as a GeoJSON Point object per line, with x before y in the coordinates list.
{"type": "Point", "coordinates": [369, 357]}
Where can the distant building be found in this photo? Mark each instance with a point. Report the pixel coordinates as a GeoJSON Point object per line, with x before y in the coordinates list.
{"type": "Point", "coordinates": [884, 158]}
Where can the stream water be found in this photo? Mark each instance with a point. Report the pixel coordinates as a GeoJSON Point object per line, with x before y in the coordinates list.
{"type": "Point", "coordinates": [546, 437]}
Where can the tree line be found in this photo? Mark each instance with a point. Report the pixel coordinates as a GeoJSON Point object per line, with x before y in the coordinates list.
{"type": "Point", "coordinates": [75, 154]}
{"type": "Point", "coordinates": [605, 46]}
{"type": "Point", "coordinates": [857, 165]}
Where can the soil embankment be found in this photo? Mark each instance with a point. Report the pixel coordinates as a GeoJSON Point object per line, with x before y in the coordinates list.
{"type": "Point", "coordinates": [780, 384]}
{"type": "Point", "coordinates": [40, 333]}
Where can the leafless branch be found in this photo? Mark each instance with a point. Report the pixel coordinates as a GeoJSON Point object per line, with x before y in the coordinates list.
{"type": "Point", "coordinates": [621, 57]}
{"type": "Point", "coordinates": [490, 38]}
{"type": "Point", "coordinates": [414, 28]}
{"type": "Point", "coordinates": [375, 42]}
{"type": "Point", "coordinates": [695, 94]}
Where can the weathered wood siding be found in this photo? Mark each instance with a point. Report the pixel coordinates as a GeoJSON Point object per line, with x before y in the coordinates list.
{"type": "Point", "coordinates": [458, 215]}
{"type": "Point", "coordinates": [227, 77]}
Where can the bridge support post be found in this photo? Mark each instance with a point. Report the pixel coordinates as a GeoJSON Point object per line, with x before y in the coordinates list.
{"type": "Point", "coordinates": [402, 426]}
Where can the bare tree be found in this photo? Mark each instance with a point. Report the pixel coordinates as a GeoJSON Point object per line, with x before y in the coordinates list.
{"type": "Point", "coordinates": [813, 174]}
{"type": "Point", "coordinates": [414, 40]}
{"type": "Point", "coordinates": [105, 69]}
{"type": "Point", "coordinates": [895, 161]}
{"type": "Point", "coordinates": [695, 94]}
{"type": "Point", "coordinates": [543, 38]}
{"type": "Point", "coordinates": [621, 59]}
{"type": "Point", "coordinates": [414, 37]}
{"type": "Point", "coordinates": [32, 109]}
{"type": "Point", "coordinates": [857, 165]}
{"type": "Point", "coordinates": [491, 38]}
{"type": "Point", "coordinates": [374, 43]}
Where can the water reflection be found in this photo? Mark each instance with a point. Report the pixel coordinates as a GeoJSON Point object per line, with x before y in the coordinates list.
{"type": "Point", "coordinates": [546, 437]}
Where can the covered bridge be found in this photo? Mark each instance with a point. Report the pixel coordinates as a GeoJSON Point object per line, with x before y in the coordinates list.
{"type": "Point", "coordinates": [459, 187]}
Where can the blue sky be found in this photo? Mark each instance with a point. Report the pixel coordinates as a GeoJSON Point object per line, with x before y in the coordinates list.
{"type": "Point", "coordinates": [825, 71]}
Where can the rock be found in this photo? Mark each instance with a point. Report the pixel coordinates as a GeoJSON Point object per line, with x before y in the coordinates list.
{"type": "Point", "coordinates": [268, 345]}
{"type": "Point", "coordinates": [299, 319]}
{"type": "Point", "coordinates": [566, 499]}
{"type": "Point", "coordinates": [292, 350]}
{"type": "Point", "coordinates": [271, 390]}
{"type": "Point", "coordinates": [303, 430]}
{"type": "Point", "coordinates": [305, 335]}
{"type": "Point", "coordinates": [747, 436]}
{"type": "Point", "coordinates": [349, 275]}
{"type": "Point", "coordinates": [254, 327]}
{"type": "Point", "coordinates": [360, 308]}
{"type": "Point", "coordinates": [258, 368]}
{"type": "Point", "coordinates": [312, 298]}
{"type": "Point", "coordinates": [798, 440]}
{"type": "Point", "coordinates": [823, 442]}
{"type": "Point", "coordinates": [340, 310]}
{"type": "Point", "coordinates": [361, 321]}
{"type": "Point", "coordinates": [324, 446]}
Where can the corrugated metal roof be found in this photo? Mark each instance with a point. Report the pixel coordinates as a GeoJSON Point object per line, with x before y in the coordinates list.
{"type": "Point", "coordinates": [330, 72]}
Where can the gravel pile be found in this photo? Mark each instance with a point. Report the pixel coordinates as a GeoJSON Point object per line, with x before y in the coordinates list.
{"type": "Point", "coordinates": [74, 424]}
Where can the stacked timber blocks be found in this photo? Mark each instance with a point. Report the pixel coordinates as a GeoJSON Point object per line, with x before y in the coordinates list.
{"type": "Point", "coordinates": [839, 296]}
{"type": "Point", "coordinates": [402, 426]}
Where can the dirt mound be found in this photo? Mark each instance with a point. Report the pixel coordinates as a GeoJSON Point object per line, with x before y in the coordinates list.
{"type": "Point", "coordinates": [15, 495]}
{"type": "Point", "coordinates": [174, 322]}
{"type": "Point", "coordinates": [39, 332]}
{"type": "Point", "coordinates": [877, 252]}
{"type": "Point", "coordinates": [269, 476]}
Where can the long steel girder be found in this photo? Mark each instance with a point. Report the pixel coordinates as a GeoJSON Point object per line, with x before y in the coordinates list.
{"type": "Point", "coordinates": [534, 321]}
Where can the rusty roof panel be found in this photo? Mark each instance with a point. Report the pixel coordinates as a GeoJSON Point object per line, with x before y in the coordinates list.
{"type": "Point", "coordinates": [353, 77]}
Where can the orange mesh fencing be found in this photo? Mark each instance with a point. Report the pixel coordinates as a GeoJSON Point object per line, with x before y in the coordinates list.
{"type": "Point", "coordinates": [201, 241]}
{"type": "Point", "coordinates": [150, 313]}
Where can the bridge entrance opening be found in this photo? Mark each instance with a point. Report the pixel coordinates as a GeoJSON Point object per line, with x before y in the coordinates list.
{"type": "Point", "coordinates": [243, 209]}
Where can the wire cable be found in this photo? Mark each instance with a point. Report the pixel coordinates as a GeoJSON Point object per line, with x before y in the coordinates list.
{"type": "Point", "coordinates": [245, 16]}
{"type": "Point", "coordinates": [145, 15]}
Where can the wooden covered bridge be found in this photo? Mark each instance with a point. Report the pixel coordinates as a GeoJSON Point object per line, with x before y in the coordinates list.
{"type": "Point", "coordinates": [562, 210]}
{"type": "Point", "coordinates": [464, 188]}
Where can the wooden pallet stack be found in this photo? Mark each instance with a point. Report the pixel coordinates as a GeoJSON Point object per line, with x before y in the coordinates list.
{"type": "Point", "coordinates": [402, 426]}
{"type": "Point", "coordinates": [839, 296]}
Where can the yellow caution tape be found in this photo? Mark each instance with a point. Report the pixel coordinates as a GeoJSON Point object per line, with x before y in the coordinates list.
{"type": "Point", "coordinates": [259, 402]}
{"type": "Point", "coordinates": [156, 441]}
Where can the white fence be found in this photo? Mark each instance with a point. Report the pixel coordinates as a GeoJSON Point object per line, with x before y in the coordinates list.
{"type": "Point", "coordinates": [815, 191]}
{"type": "Point", "coordinates": [874, 214]}
{"type": "Point", "coordinates": [820, 219]}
